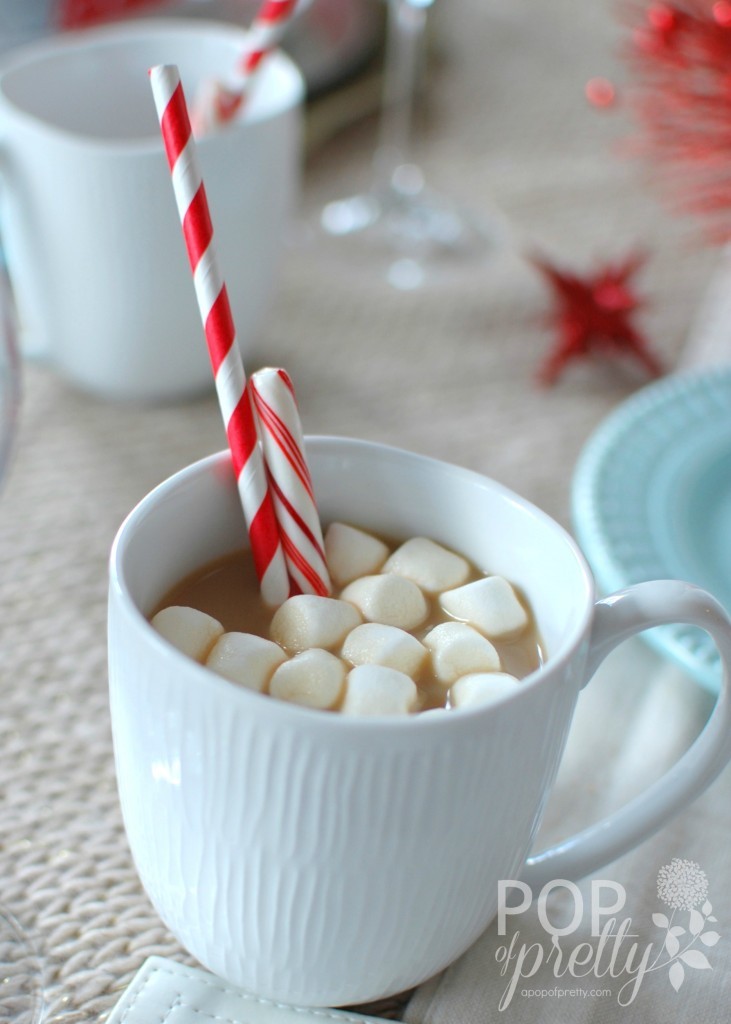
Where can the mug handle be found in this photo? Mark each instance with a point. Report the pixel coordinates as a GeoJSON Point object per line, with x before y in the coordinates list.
{"type": "Point", "coordinates": [617, 618]}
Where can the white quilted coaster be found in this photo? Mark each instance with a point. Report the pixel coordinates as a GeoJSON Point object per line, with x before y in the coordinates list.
{"type": "Point", "coordinates": [165, 992]}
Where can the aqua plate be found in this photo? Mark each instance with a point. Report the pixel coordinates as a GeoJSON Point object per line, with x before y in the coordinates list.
{"type": "Point", "coordinates": [651, 499]}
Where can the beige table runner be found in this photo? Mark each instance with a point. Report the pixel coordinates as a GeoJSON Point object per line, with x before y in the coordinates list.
{"type": "Point", "coordinates": [448, 372]}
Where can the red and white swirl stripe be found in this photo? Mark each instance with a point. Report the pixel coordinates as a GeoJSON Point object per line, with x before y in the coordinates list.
{"type": "Point", "coordinates": [219, 101]}
{"type": "Point", "coordinates": [290, 483]}
{"type": "Point", "coordinates": [215, 311]}
{"type": "Point", "coordinates": [265, 34]}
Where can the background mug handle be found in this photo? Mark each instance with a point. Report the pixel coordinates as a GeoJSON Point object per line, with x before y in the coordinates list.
{"type": "Point", "coordinates": [38, 351]}
{"type": "Point", "coordinates": [617, 618]}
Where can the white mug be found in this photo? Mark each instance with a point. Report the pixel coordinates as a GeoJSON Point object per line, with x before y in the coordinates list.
{"type": "Point", "coordinates": [319, 859]}
{"type": "Point", "coordinates": [87, 212]}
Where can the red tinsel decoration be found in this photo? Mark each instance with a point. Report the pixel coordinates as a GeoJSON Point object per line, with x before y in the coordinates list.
{"type": "Point", "coordinates": [594, 312]}
{"type": "Point", "coordinates": [71, 14]}
{"type": "Point", "coordinates": [680, 57]}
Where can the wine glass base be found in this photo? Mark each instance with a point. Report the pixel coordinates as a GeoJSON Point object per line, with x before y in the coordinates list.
{"type": "Point", "coordinates": [21, 979]}
{"type": "Point", "coordinates": [412, 240]}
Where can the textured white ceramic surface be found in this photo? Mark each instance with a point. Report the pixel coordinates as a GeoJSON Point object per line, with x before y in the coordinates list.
{"type": "Point", "coordinates": [321, 860]}
{"type": "Point", "coordinates": [88, 216]}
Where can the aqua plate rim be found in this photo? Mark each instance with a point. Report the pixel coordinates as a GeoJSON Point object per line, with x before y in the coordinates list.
{"type": "Point", "coordinates": [624, 474]}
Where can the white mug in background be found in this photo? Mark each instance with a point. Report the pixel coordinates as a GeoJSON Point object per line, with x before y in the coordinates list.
{"type": "Point", "coordinates": [87, 212]}
{"type": "Point", "coordinates": [320, 859]}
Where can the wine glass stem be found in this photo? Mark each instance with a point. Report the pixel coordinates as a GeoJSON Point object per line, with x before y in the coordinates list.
{"type": "Point", "coordinates": [394, 169]}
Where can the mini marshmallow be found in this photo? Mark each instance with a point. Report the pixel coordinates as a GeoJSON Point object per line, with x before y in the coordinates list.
{"type": "Point", "coordinates": [351, 553]}
{"type": "Point", "coordinates": [490, 604]}
{"type": "Point", "coordinates": [376, 644]}
{"type": "Point", "coordinates": [457, 650]}
{"type": "Point", "coordinates": [379, 690]}
{"type": "Point", "coordinates": [191, 631]}
{"type": "Point", "coordinates": [314, 679]}
{"type": "Point", "coordinates": [431, 566]}
{"type": "Point", "coordinates": [245, 659]}
{"type": "Point", "coordinates": [307, 620]}
{"type": "Point", "coordinates": [389, 599]}
{"type": "Point", "coordinates": [481, 688]}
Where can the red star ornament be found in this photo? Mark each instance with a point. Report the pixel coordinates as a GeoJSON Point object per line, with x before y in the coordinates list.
{"type": "Point", "coordinates": [595, 312]}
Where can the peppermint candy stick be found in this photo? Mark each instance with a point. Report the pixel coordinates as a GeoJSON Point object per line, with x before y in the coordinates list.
{"type": "Point", "coordinates": [290, 483]}
{"type": "Point", "coordinates": [215, 311]}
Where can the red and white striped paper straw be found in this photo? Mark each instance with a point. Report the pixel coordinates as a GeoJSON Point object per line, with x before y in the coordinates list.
{"type": "Point", "coordinates": [215, 311]}
{"type": "Point", "coordinates": [218, 101]}
{"type": "Point", "coordinates": [280, 431]}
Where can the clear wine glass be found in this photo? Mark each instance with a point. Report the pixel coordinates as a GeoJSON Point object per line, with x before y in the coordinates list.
{"type": "Point", "coordinates": [21, 999]}
{"type": "Point", "coordinates": [417, 236]}
{"type": "Point", "coordinates": [21, 990]}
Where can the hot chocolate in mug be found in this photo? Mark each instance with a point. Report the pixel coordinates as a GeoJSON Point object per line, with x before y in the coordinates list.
{"type": "Point", "coordinates": [320, 859]}
{"type": "Point", "coordinates": [88, 218]}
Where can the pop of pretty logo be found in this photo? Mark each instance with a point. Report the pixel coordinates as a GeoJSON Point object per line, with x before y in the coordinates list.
{"type": "Point", "coordinates": [686, 932]}
{"type": "Point", "coordinates": [683, 886]}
